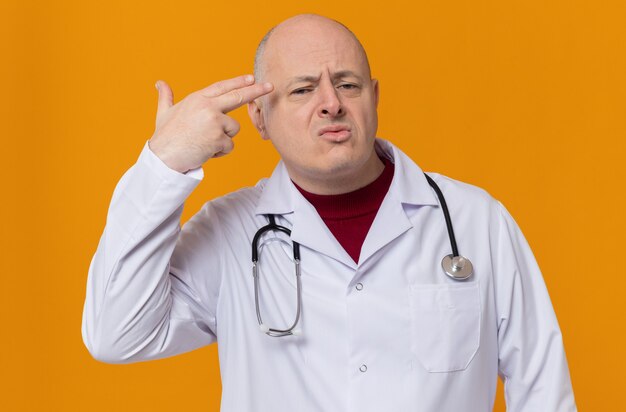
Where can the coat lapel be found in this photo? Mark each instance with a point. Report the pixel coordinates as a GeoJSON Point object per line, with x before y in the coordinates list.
{"type": "Point", "coordinates": [281, 197]}
{"type": "Point", "coordinates": [408, 187]}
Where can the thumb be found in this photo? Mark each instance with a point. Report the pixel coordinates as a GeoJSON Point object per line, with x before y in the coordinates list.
{"type": "Point", "coordinates": [166, 97]}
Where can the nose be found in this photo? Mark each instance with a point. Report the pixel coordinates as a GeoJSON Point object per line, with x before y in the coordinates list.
{"type": "Point", "coordinates": [330, 102]}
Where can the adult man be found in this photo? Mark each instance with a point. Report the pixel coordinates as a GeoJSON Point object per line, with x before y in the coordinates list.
{"type": "Point", "coordinates": [382, 328]}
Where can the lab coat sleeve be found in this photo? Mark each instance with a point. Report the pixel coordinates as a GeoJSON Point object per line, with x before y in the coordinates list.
{"type": "Point", "coordinates": [137, 306]}
{"type": "Point", "coordinates": [532, 359]}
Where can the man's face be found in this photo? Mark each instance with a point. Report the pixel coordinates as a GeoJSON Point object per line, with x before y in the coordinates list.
{"type": "Point", "coordinates": [321, 116]}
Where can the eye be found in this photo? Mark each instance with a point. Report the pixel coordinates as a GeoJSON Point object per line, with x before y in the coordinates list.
{"type": "Point", "coordinates": [348, 86]}
{"type": "Point", "coordinates": [301, 91]}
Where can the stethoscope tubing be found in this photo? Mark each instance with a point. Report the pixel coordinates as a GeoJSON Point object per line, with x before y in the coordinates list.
{"type": "Point", "coordinates": [446, 215]}
{"type": "Point", "coordinates": [255, 273]}
{"type": "Point", "coordinates": [455, 266]}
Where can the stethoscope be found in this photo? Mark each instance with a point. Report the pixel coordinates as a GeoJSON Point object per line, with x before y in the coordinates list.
{"type": "Point", "coordinates": [454, 265]}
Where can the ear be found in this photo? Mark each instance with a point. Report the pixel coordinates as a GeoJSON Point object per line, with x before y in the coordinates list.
{"type": "Point", "coordinates": [256, 115]}
{"type": "Point", "coordinates": [376, 90]}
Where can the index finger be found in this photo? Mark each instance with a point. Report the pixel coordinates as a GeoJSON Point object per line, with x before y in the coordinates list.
{"type": "Point", "coordinates": [238, 97]}
{"type": "Point", "coordinates": [224, 86]}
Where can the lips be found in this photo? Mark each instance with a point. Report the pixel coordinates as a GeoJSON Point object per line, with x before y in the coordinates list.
{"type": "Point", "coordinates": [335, 133]}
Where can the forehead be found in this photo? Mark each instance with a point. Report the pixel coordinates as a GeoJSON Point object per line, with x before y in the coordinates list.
{"type": "Point", "coordinates": [311, 49]}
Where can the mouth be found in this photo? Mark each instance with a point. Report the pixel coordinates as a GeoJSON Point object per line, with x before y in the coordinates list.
{"type": "Point", "coordinates": [335, 133]}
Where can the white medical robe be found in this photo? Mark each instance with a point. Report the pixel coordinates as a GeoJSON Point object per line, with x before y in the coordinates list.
{"type": "Point", "coordinates": [391, 333]}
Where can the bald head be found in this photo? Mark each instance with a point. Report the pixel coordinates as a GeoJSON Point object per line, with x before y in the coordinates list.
{"type": "Point", "coordinates": [293, 29]}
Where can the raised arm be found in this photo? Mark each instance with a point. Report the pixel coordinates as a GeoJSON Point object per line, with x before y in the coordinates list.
{"type": "Point", "coordinates": [139, 305]}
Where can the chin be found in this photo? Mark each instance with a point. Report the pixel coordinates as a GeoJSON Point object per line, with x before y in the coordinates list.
{"type": "Point", "coordinates": [343, 165]}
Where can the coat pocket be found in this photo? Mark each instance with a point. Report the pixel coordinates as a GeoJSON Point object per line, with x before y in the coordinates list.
{"type": "Point", "coordinates": [445, 325]}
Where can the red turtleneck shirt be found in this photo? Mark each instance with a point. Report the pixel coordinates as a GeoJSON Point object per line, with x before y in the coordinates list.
{"type": "Point", "coordinates": [350, 215]}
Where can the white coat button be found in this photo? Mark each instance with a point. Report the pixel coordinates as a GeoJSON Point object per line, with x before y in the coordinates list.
{"type": "Point", "coordinates": [363, 368]}
{"type": "Point", "coordinates": [359, 286]}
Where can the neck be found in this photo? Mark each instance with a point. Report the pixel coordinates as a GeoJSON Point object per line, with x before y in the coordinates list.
{"type": "Point", "coordinates": [339, 184]}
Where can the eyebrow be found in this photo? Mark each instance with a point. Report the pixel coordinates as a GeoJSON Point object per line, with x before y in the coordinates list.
{"type": "Point", "coordinates": [312, 79]}
{"type": "Point", "coordinates": [298, 79]}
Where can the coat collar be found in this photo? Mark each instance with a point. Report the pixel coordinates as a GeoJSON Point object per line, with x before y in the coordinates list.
{"type": "Point", "coordinates": [408, 187]}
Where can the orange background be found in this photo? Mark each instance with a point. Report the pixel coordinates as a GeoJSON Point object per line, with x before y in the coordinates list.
{"type": "Point", "coordinates": [523, 98]}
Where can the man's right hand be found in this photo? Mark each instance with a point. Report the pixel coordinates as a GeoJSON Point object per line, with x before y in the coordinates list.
{"type": "Point", "coordinates": [197, 128]}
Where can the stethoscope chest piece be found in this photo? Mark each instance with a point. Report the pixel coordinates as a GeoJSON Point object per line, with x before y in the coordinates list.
{"type": "Point", "coordinates": [457, 267]}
